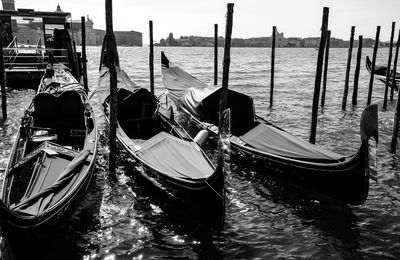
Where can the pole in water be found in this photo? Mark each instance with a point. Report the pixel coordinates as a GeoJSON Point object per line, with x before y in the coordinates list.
{"type": "Point", "coordinates": [151, 58]}
{"type": "Point", "coordinates": [223, 103]}
{"type": "Point", "coordinates": [397, 111]}
{"type": "Point", "coordinates": [325, 76]}
{"type": "Point", "coordinates": [346, 81]}
{"type": "Point", "coordinates": [318, 75]}
{"type": "Point", "coordinates": [2, 76]}
{"type": "Point", "coordinates": [112, 61]}
{"type": "Point", "coordinates": [84, 64]}
{"type": "Point", "coordinates": [371, 78]}
{"type": "Point", "coordinates": [387, 82]}
{"type": "Point", "coordinates": [357, 72]}
{"type": "Point", "coordinates": [224, 112]}
{"type": "Point", "coordinates": [271, 94]}
{"type": "Point", "coordinates": [215, 54]}
{"type": "Point", "coordinates": [394, 71]}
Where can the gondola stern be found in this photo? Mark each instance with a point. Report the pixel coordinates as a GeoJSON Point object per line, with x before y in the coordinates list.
{"type": "Point", "coordinates": [164, 60]}
{"type": "Point", "coordinates": [369, 123]}
{"type": "Point", "coordinates": [368, 63]}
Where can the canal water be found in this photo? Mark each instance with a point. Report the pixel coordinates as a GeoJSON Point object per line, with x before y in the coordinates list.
{"type": "Point", "coordinates": [265, 218]}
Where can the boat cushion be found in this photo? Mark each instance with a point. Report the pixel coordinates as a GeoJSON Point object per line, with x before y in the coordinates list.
{"type": "Point", "coordinates": [66, 109]}
{"type": "Point", "coordinates": [175, 157]}
{"type": "Point", "coordinates": [135, 105]}
{"type": "Point", "coordinates": [71, 109]}
{"type": "Point", "coordinates": [241, 106]}
{"type": "Point", "coordinates": [46, 109]}
{"type": "Point", "coordinates": [272, 140]}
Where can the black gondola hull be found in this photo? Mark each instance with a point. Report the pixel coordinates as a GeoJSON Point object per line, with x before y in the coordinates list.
{"type": "Point", "coordinates": [346, 181]}
{"type": "Point", "coordinates": [46, 155]}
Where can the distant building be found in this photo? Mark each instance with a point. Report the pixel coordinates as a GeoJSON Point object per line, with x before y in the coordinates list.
{"type": "Point", "coordinates": [58, 8]}
{"type": "Point", "coordinates": [311, 42]}
{"type": "Point", "coordinates": [89, 31]}
{"type": "Point", "coordinates": [123, 38]}
{"type": "Point", "coordinates": [294, 42]}
{"type": "Point", "coordinates": [28, 33]}
{"type": "Point", "coordinates": [8, 5]}
{"type": "Point", "coordinates": [128, 38]}
{"type": "Point", "coordinates": [95, 36]}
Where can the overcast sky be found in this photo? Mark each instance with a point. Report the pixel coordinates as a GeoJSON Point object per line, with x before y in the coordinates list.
{"type": "Point", "coordinates": [251, 18]}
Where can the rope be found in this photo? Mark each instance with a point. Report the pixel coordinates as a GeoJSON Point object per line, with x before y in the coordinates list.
{"type": "Point", "coordinates": [209, 185]}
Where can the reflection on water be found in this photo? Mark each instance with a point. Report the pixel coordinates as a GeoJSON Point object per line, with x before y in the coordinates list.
{"type": "Point", "coordinates": [265, 218]}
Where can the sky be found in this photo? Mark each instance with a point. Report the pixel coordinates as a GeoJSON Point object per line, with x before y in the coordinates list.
{"type": "Point", "coordinates": [251, 18]}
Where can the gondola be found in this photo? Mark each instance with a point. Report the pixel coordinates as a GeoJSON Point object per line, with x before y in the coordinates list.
{"type": "Point", "coordinates": [163, 153]}
{"type": "Point", "coordinates": [381, 71]}
{"type": "Point", "coordinates": [272, 150]}
{"type": "Point", "coordinates": [53, 157]}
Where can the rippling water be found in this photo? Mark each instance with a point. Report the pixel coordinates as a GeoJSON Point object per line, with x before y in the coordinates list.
{"type": "Point", "coordinates": [266, 219]}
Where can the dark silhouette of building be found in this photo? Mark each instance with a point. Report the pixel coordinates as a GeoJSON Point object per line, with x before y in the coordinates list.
{"type": "Point", "coordinates": [58, 8]}
{"type": "Point", "coordinates": [8, 5]}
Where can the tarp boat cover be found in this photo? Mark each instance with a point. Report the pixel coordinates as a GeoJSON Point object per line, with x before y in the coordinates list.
{"type": "Point", "coordinates": [275, 141]}
{"type": "Point", "coordinates": [124, 82]}
{"type": "Point", "coordinates": [201, 101]}
{"type": "Point", "coordinates": [175, 157]}
{"type": "Point", "coordinates": [52, 182]}
{"type": "Point", "coordinates": [166, 153]}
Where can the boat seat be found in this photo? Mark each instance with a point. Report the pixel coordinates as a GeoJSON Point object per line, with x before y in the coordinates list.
{"type": "Point", "coordinates": [71, 109]}
{"type": "Point", "coordinates": [136, 113]}
{"type": "Point", "coordinates": [46, 109]}
{"type": "Point", "coordinates": [144, 126]}
{"type": "Point", "coordinates": [43, 135]}
{"type": "Point", "coordinates": [241, 106]}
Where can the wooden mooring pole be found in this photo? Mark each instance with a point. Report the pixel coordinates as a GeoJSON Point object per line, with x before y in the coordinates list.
{"type": "Point", "coordinates": [2, 76]}
{"type": "Point", "coordinates": [271, 93]}
{"type": "Point", "coordinates": [215, 54]}
{"type": "Point", "coordinates": [371, 77]}
{"type": "Point", "coordinates": [384, 106]}
{"type": "Point", "coordinates": [112, 62]}
{"type": "Point", "coordinates": [317, 86]}
{"type": "Point", "coordinates": [325, 76]}
{"type": "Point", "coordinates": [84, 61]}
{"type": "Point", "coordinates": [394, 71]}
{"type": "Point", "coordinates": [223, 103]}
{"type": "Point", "coordinates": [346, 81]}
{"type": "Point", "coordinates": [151, 58]}
{"type": "Point", "coordinates": [357, 72]}
{"type": "Point", "coordinates": [397, 111]}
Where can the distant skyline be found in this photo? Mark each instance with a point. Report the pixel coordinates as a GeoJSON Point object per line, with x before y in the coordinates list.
{"type": "Point", "coordinates": [251, 18]}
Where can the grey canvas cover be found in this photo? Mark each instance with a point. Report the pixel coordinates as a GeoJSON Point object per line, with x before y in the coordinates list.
{"type": "Point", "coordinates": [123, 82]}
{"type": "Point", "coordinates": [272, 140]}
{"type": "Point", "coordinates": [49, 188]}
{"type": "Point", "coordinates": [202, 101]}
{"type": "Point", "coordinates": [175, 157]}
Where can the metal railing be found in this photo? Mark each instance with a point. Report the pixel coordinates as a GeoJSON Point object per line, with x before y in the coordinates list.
{"type": "Point", "coordinates": [34, 58]}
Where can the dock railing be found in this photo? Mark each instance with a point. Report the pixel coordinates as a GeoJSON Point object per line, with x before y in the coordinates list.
{"type": "Point", "coordinates": [25, 57]}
